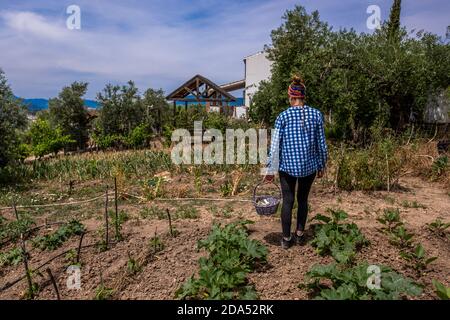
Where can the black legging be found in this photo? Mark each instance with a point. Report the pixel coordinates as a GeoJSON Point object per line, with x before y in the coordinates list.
{"type": "Point", "coordinates": [288, 184]}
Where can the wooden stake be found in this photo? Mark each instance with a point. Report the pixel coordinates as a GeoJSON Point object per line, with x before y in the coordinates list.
{"type": "Point", "coordinates": [79, 247]}
{"type": "Point", "coordinates": [388, 177]}
{"type": "Point", "coordinates": [154, 240]}
{"type": "Point", "coordinates": [106, 220]}
{"type": "Point", "coordinates": [116, 209]}
{"type": "Point", "coordinates": [170, 223]}
{"type": "Point", "coordinates": [55, 286]}
{"type": "Point", "coordinates": [24, 255]}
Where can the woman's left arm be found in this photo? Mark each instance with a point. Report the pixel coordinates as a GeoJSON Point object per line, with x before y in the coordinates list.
{"type": "Point", "coordinates": [321, 145]}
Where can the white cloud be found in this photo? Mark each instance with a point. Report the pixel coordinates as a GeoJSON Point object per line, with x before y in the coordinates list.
{"type": "Point", "coordinates": [156, 43]}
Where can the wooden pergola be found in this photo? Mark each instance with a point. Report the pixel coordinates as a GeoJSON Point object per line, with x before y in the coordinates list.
{"type": "Point", "coordinates": [201, 90]}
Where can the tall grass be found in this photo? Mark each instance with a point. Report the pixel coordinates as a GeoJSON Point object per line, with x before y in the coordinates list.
{"type": "Point", "coordinates": [92, 166]}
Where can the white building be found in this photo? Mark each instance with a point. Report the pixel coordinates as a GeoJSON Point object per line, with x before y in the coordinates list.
{"type": "Point", "coordinates": [257, 68]}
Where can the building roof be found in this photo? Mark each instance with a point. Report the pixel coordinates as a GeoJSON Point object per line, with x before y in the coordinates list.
{"type": "Point", "coordinates": [235, 85]}
{"type": "Point", "coordinates": [200, 89]}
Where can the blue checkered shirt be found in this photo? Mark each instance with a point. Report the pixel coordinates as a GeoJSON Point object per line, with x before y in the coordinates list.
{"type": "Point", "coordinates": [299, 140]}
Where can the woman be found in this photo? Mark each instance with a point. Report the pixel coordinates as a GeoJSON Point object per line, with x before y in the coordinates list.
{"type": "Point", "coordinates": [299, 154]}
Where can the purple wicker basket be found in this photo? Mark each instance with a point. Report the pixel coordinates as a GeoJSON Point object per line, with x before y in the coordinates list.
{"type": "Point", "coordinates": [266, 205]}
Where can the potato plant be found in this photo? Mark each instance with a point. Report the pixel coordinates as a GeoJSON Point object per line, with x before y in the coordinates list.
{"type": "Point", "coordinates": [418, 258]}
{"type": "Point", "coordinates": [438, 227]}
{"type": "Point", "coordinates": [333, 236]}
{"type": "Point", "coordinates": [223, 274]}
{"type": "Point", "coordinates": [343, 283]}
{"type": "Point", "coordinates": [11, 258]}
{"type": "Point", "coordinates": [442, 291]}
{"type": "Point", "coordinates": [55, 240]}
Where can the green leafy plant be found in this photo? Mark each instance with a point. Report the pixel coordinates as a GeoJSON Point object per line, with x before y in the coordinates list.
{"type": "Point", "coordinates": [438, 227]}
{"type": "Point", "coordinates": [413, 204]}
{"type": "Point", "coordinates": [133, 266]}
{"type": "Point", "coordinates": [11, 230]}
{"type": "Point", "coordinates": [401, 237]}
{"type": "Point", "coordinates": [71, 258]}
{"type": "Point", "coordinates": [186, 213]}
{"type": "Point", "coordinates": [226, 189]}
{"type": "Point", "coordinates": [55, 240]}
{"type": "Point", "coordinates": [336, 282]}
{"type": "Point", "coordinates": [440, 165]}
{"type": "Point", "coordinates": [333, 236]}
{"type": "Point", "coordinates": [390, 220]}
{"type": "Point", "coordinates": [223, 274]}
{"type": "Point", "coordinates": [418, 258]}
{"type": "Point", "coordinates": [103, 293]}
{"type": "Point", "coordinates": [153, 212]}
{"type": "Point", "coordinates": [155, 244]}
{"type": "Point", "coordinates": [442, 291]}
{"type": "Point", "coordinates": [11, 258]}
{"type": "Point", "coordinates": [122, 217]}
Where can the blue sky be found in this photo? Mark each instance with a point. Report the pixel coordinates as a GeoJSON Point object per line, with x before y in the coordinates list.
{"type": "Point", "coordinates": [161, 43]}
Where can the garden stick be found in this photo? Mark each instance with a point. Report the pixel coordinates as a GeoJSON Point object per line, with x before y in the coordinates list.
{"type": "Point", "coordinates": [388, 178]}
{"type": "Point", "coordinates": [106, 220]}
{"type": "Point", "coordinates": [116, 208]}
{"type": "Point", "coordinates": [10, 284]}
{"type": "Point", "coordinates": [24, 255]}
{"type": "Point", "coordinates": [79, 247]}
{"type": "Point", "coordinates": [55, 286]}
{"type": "Point", "coordinates": [170, 222]}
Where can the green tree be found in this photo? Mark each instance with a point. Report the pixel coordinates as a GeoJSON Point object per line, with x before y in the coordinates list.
{"type": "Point", "coordinates": [121, 110]}
{"type": "Point", "coordinates": [158, 112]}
{"type": "Point", "coordinates": [45, 140]}
{"type": "Point", "coordinates": [394, 20]}
{"type": "Point", "coordinates": [69, 113]}
{"type": "Point", "coordinates": [12, 120]}
{"type": "Point", "coordinates": [359, 81]}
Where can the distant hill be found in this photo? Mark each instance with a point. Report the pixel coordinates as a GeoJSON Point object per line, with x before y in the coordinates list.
{"type": "Point", "coordinates": [35, 105]}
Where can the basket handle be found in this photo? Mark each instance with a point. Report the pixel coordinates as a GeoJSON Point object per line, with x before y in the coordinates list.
{"type": "Point", "coordinates": [263, 182]}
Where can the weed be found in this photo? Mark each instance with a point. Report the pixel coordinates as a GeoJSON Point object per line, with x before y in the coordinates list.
{"type": "Point", "coordinates": [439, 166]}
{"type": "Point", "coordinates": [226, 212]}
{"type": "Point", "coordinates": [414, 204]}
{"type": "Point", "coordinates": [186, 213]}
{"type": "Point", "coordinates": [155, 244]}
{"type": "Point", "coordinates": [71, 258]}
{"type": "Point", "coordinates": [389, 200]}
{"type": "Point", "coordinates": [226, 189]}
{"type": "Point", "coordinates": [122, 217]}
{"type": "Point", "coordinates": [133, 266]}
{"type": "Point", "coordinates": [154, 212]}
{"type": "Point", "coordinates": [351, 283]}
{"type": "Point", "coordinates": [103, 293]}
{"type": "Point", "coordinates": [339, 239]}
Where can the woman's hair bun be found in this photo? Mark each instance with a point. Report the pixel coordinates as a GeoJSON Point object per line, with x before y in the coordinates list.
{"type": "Point", "coordinates": [297, 80]}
